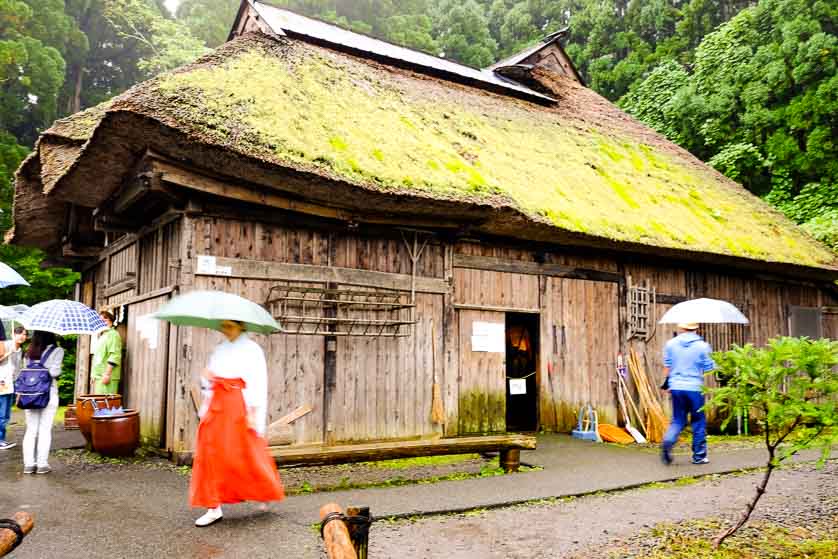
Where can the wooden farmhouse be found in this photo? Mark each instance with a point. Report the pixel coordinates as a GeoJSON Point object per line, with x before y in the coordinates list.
{"type": "Point", "coordinates": [504, 233]}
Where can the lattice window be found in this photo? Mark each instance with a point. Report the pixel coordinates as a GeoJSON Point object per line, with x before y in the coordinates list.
{"type": "Point", "coordinates": [641, 310]}
{"type": "Point", "coordinates": [322, 309]}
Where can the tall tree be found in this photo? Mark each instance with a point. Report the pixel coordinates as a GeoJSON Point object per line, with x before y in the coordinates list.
{"type": "Point", "coordinates": [208, 20]}
{"type": "Point", "coordinates": [463, 32]}
{"type": "Point", "coordinates": [31, 71]}
{"type": "Point", "coordinates": [760, 105]}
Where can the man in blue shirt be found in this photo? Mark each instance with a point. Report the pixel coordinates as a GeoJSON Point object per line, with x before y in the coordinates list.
{"type": "Point", "coordinates": [686, 358]}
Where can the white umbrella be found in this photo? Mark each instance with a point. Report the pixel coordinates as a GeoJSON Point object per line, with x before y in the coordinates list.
{"type": "Point", "coordinates": [703, 311]}
{"type": "Point", "coordinates": [9, 277]}
{"type": "Point", "coordinates": [13, 312]}
{"type": "Point", "coordinates": [63, 317]}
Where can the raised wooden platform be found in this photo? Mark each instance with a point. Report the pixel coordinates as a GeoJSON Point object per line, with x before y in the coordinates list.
{"type": "Point", "coordinates": [508, 445]}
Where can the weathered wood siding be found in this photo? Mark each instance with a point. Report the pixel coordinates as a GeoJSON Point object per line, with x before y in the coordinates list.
{"type": "Point", "coordinates": [580, 342]}
{"type": "Point", "coordinates": [145, 377]}
{"type": "Point", "coordinates": [384, 385]}
{"type": "Point", "coordinates": [482, 386]}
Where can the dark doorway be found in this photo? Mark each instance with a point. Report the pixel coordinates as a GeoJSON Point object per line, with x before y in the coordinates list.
{"type": "Point", "coordinates": [521, 365]}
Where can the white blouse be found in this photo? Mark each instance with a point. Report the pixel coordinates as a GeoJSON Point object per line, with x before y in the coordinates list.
{"type": "Point", "coordinates": [244, 359]}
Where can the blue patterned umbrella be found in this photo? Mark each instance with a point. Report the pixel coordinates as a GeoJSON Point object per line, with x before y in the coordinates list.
{"type": "Point", "coordinates": [63, 318]}
{"type": "Point", "coordinates": [9, 277]}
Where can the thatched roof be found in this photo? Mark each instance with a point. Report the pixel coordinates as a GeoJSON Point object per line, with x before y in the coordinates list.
{"type": "Point", "coordinates": [349, 131]}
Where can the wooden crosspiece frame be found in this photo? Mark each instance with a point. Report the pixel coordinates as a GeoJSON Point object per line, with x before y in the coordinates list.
{"type": "Point", "coordinates": [305, 308]}
{"type": "Point", "coordinates": [641, 310]}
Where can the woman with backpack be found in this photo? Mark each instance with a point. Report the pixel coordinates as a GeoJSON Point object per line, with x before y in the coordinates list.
{"type": "Point", "coordinates": [43, 353]}
{"type": "Point", "coordinates": [9, 366]}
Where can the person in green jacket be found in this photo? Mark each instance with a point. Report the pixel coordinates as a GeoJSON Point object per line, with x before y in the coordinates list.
{"type": "Point", "coordinates": [107, 359]}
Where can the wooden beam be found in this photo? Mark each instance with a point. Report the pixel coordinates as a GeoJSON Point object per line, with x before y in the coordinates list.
{"type": "Point", "coordinates": [260, 269]}
{"type": "Point", "coordinates": [533, 268]}
{"type": "Point", "coordinates": [119, 287]}
{"type": "Point", "coordinates": [664, 299]}
{"type": "Point", "coordinates": [175, 174]}
{"type": "Point", "coordinates": [231, 188]}
{"type": "Point", "coordinates": [370, 452]}
{"type": "Point", "coordinates": [495, 309]}
{"type": "Point", "coordinates": [82, 252]}
{"type": "Point", "coordinates": [146, 296]}
{"type": "Point", "coordinates": [130, 195]}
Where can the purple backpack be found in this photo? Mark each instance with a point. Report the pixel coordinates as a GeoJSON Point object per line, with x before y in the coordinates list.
{"type": "Point", "coordinates": [33, 384]}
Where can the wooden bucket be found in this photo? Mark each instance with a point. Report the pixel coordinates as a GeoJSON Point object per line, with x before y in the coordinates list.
{"type": "Point", "coordinates": [86, 404]}
{"type": "Point", "coordinates": [116, 435]}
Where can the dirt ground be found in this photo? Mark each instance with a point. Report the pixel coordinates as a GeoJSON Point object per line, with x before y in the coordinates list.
{"type": "Point", "coordinates": [622, 524]}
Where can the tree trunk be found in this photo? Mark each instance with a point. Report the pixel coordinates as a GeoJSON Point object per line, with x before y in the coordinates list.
{"type": "Point", "coordinates": [746, 514]}
{"type": "Point", "coordinates": [75, 100]}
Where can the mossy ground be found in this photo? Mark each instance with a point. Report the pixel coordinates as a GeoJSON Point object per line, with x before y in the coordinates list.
{"type": "Point", "coordinates": [309, 107]}
{"type": "Point", "coordinates": [759, 540]}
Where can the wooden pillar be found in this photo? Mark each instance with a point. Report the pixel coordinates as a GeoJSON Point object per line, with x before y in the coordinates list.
{"type": "Point", "coordinates": [330, 362]}
{"type": "Point", "coordinates": [336, 538]}
{"type": "Point", "coordinates": [450, 347]}
{"type": "Point", "coordinates": [183, 410]}
{"type": "Point", "coordinates": [510, 460]}
{"type": "Point", "coordinates": [8, 537]}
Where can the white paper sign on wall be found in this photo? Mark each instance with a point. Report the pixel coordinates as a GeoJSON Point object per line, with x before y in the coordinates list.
{"type": "Point", "coordinates": [488, 337]}
{"type": "Point", "coordinates": [517, 386]}
{"type": "Point", "coordinates": [148, 327]}
{"type": "Point", "coordinates": [206, 265]}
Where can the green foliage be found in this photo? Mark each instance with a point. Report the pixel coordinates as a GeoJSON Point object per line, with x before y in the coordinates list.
{"type": "Point", "coordinates": [31, 71]}
{"type": "Point", "coordinates": [208, 20]}
{"type": "Point", "coordinates": [760, 106]}
{"type": "Point", "coordinates": [161, 43]}
{"type": "Point", "coordinates": [792, 387]}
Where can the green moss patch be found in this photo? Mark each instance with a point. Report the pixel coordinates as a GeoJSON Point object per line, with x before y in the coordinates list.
{"type": "Point", "coordinates": [296, 104]}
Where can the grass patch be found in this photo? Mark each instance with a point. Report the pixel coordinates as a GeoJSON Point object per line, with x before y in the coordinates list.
{"type": "Point", "coordinates": [143, 457]}
{"type": "Point", "coordinates": [763, 540]}
{"type": "Point", "coordinates": [490, 469]}
{"type": "Point", "coordinates": [59, 415]}
{"type": "Point", "coordinates": [422, 461]}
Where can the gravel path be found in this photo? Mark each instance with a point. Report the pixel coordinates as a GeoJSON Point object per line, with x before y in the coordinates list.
{"type": "Point", "coordinates": [590, 526]}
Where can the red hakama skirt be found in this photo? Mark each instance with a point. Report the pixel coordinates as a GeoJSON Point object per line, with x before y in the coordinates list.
{"type": "Point", "coordinates": [231, 462]}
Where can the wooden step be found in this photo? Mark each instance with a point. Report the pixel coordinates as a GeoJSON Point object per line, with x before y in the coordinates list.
{"type": "Point", "coordinates": [310, 455]}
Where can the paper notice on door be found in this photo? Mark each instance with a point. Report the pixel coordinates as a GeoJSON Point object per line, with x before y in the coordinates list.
{"type": "Point", "coordinates": [517, 386]}
{"type": "Point", "coordinates": [488, 337]}
{"type": "Point", "coordinates": [148, 328]}
{"type": "Point", "coordinates": [206, 265]}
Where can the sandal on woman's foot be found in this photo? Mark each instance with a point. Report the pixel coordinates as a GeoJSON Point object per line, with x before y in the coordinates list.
{"type": "Point", "coordinates": [210, 517]}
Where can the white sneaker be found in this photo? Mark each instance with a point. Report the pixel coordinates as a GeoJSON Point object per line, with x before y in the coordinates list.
{"type": "Point", "coordinates": [210, 517]}
{"type": "Point", "coordinates": [6, 445]}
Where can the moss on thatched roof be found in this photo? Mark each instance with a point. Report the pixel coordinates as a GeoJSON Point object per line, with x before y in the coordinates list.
{"type": "Point", "coordinates": [582, 166]}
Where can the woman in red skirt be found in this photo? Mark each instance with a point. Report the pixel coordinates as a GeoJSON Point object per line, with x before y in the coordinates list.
{"type": "Point", "coordinates": [231, 462]}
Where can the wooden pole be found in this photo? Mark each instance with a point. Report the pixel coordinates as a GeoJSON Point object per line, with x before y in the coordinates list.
{"type": "Point", "coordinates": [336, 538]}
{"type": "Point", "coordinates": [7, 537]}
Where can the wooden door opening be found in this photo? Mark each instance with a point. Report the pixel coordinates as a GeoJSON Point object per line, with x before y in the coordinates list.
{"type": "Point", "coordinates": [522, 346]}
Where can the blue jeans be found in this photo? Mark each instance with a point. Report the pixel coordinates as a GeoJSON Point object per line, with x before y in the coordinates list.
{"type": "Point", "coordinates": [687, 402]}
{"type": "Point", "coordinates": [6, 402]}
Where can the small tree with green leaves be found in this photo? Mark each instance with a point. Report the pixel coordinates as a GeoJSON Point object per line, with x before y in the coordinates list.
{"type": "Point", "coordinates": [791, 386]}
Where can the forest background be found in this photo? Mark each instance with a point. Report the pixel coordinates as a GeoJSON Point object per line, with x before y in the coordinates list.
{"type": "Point", "coordinates": [748, 86]}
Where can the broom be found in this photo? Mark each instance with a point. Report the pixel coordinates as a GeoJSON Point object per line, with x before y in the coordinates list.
{"type": "Point", "coordinates": [656, 422]}
{"type": "Point", "coordinates": [437, 411]}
